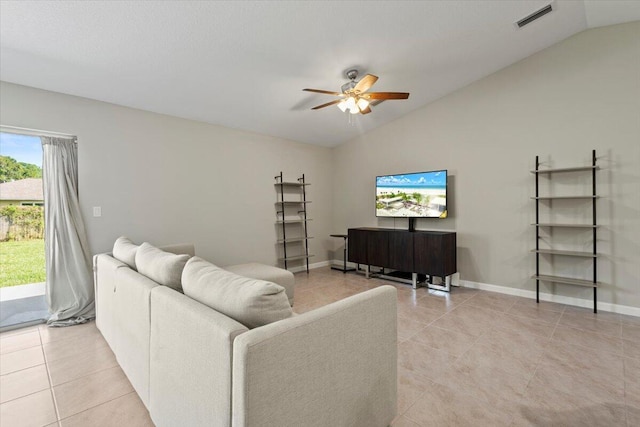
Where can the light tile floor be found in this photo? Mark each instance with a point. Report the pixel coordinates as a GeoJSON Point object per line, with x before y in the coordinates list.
{"type": "Point", "coordinates": [468, 358]}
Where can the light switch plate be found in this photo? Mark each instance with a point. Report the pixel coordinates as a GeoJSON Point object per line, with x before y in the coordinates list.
{"type": "Point", "coordinates": [97, 211]}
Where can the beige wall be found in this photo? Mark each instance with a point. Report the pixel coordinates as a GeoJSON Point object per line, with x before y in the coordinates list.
{"type": "Point", "coordinates": [578, 95]}
{"type": "Point", "coordinates": [166, 180]}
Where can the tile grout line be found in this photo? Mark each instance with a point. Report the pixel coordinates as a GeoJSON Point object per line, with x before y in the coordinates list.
{"type": "Point", "coordinates": [46, 364]}
{"type": "Point", "coordinates": [95, 406]}
{"type": "Point", "coordinates": [624, 375]}
{"type": "Point", "coordinates": [18, 331]}
{"type": "Point", "coordinates": [26, 395]}
{"type": "Point", "coordinates": [86, 375]}
{"type": "Point", "coordinates": [539, 362]}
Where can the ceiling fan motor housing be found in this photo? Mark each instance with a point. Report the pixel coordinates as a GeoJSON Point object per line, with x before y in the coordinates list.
{"type": "Point", "coordinates": [348, 86]}
{"type": "Point", "coordinates": [351, 75]}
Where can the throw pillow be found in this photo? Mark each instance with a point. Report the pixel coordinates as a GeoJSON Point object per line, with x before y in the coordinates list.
{"type": "Point", "coordinates": [124, 250]}
{"type": "Point", "coordinates": [160, 266]}
{"type": "Point", "coordinates": [251, 302]}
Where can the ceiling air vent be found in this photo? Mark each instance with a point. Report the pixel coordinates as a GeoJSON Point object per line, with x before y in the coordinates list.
{"type": "Point", "coordinates": [535, 15]}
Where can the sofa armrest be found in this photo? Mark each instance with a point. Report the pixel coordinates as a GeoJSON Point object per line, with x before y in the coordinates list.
{"type": "Point", "coordinates": [334, 366]}
{"type": "Point", "coordinates": [105, 279]}
{"type": "Point", "coordinates": [190, 361]}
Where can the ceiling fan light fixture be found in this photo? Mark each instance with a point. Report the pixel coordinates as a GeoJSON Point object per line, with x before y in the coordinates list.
{"type": "Point", "coordinates": [362, 103]}
{"type": "Point", "coordinates": [342, 105]}
{"type": "Point", "coordinates": [350, 104]}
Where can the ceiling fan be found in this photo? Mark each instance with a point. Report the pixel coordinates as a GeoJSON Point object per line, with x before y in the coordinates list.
{"type": "Point", "coordinates": [354, 95]}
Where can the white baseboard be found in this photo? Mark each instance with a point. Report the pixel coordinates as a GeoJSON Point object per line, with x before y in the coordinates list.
{"type": "Point", "coordinates": [578, 302]}
{"type": "Point", "coordinates": [311, 266]}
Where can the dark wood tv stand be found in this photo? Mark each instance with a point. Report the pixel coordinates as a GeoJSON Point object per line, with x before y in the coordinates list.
{"type": "Point", "coordinates": [428, 253]}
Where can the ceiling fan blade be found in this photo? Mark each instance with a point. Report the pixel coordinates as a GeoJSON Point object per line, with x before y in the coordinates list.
{"type": "Point", "coordinates": [366, 110]}
{"type": "Point", "coordinates": [385, 95]}
{"type": "Point", "coordinates": [376, 102]}
{"type": "Point", "coordinates": [326, 92]}
{"type": "Point", "coordinates": [327, 104]}
{"type": "Point", "coordinates": [365, 83]}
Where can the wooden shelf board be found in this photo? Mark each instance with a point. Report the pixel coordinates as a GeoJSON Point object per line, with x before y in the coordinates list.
{"type": "Point", "coordinates": [291, 184]}
{"type": "Point", "coordinates": [292, 221]}
{"type": "Point", "coordinates": [567, 253]}
{"type": "Point", "coordinates": [293, 202]}
{"type": "Point", "coordinates": [293, 258]}
{"type": "Point", "coordinates": [564, 197]}
{"type": "Point", "coordinates": [576, 169]}
{"type": "Point", "coordinates": [567, 281]}
{"type": "Point", "coordinates": [566, 225]}
{"type": "Point", "coordinates": [294, 239]}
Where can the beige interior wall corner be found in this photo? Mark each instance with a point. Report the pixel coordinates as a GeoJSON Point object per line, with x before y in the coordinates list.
{"type": "Point", "coordinates": [168, 180]}
{"type": "Point", "coordinates": [578, 95]}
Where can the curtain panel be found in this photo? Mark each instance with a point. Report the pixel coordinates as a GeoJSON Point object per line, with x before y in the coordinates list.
{"type": "Point", "coordinates": [69, 282]}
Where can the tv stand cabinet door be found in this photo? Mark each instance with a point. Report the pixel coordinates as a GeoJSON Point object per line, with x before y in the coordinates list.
{"type": "Point", "coordinates": [401, 251]}
{"type": "Point", "coordinates": [378, 248]}
{"type": "Point", "coordinates": [357, 246]}
{"type": "Point", "coordinates": [435, 253]}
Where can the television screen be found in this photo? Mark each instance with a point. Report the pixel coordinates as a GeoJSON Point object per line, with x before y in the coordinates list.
{"type": "Point", "coordinates": [412, 195]}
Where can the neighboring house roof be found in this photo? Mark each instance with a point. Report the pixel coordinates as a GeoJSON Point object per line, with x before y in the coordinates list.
{"type": "Point", "coordinates": [24, 189]}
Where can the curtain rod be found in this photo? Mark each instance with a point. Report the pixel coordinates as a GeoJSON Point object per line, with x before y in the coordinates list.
{"type": "Point", "coordinates": [35, 132]}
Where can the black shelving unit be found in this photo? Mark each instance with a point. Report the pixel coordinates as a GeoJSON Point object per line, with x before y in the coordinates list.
{"type": "Point", "coordinates": [580, 226]}
{"type": "Point", "coordinates": [293, 213]}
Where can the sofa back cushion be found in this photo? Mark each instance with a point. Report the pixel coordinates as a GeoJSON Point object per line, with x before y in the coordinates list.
{"type": "Point", "coordinates": [251, 302]}
{"type": "Point", "coordinates": [180, 248]}
{"type": "Point", "coordinates": [162, 267]}
{"type": "Point", "coordinates": [124, 250]}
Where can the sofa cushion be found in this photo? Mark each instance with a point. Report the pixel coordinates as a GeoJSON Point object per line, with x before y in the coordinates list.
{"type": "Point", "coordinates": [124, 250]}
{"type": "Point", "coordinates": [251, 302]}
{"type": "Point", "coordinates": [160, 266]}
{"type": "Point", "coordinates": [276, 275]}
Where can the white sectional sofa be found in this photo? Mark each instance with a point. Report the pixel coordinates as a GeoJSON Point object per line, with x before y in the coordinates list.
{"type": "Point", "coordinates": [230, 352]}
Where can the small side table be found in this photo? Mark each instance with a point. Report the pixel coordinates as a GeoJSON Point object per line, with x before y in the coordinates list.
{"type": "Point", "coordinates": [344, 268]}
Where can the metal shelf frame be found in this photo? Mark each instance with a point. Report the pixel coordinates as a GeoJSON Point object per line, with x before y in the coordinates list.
{"type": "Point", "coordinates": [281, 204]}
{"type": "Point", "coordinates": [594, 226]}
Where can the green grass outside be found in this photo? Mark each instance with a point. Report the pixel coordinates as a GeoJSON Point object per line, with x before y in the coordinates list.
{"type": "Point", "coordinates": [21, 262]}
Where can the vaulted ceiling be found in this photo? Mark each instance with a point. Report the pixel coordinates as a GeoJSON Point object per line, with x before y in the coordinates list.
{"type": "Point", "coordinates": [244, 64]}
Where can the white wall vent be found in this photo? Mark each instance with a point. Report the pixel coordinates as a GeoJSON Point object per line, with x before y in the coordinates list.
{"type": "Point", "coordinates": [535, 15]}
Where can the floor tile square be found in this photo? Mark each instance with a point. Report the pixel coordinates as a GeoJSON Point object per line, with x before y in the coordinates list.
{"type": "Point", "coordinates": [588, 339]}
{"type": "Point", "coordinates": [91, 390]}
{"type": "Point", "coordinates": [24, 382]}
{"type": "Point", "coordinates": [454, 343]}
{"type": "Point", "coordinates": [34, 410]}
{"type": "Point", "coordinates": [21, 359]}
{"type": "Point", "coordinates": [19, 342]}
{"type": "Point", "coordinates": [56, 333]}
{"type": "Point", "coordinates": [84, 363]}
{"type": "Point", "coordinates": [127, 410]}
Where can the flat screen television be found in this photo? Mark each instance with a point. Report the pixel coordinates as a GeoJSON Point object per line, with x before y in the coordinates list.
{"type": "Point", "coordinates": [412, 195]}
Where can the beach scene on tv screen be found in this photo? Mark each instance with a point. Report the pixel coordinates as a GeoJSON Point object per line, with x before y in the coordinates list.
{"type": "Point", "coordinates": [420, 195]}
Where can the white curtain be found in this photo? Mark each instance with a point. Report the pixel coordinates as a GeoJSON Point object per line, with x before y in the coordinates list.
{"type": "Point", "coordinates": [69, 283]}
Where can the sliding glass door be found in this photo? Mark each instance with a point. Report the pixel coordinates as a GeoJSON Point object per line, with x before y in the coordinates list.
{"type": "Point", "coordinates": [22, 261]}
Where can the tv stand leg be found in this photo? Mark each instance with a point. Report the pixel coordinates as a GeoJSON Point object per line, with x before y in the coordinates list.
{"type": "Point", "coordinates": [445, 284]}
{"type": "Point", "coordinates": [414, 280]}
{"type": "Point", "coordinates": [366, 271]}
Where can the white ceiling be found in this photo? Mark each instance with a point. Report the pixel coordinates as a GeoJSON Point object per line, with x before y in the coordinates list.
{"type": "Point", "coordinates": [244, 64]}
